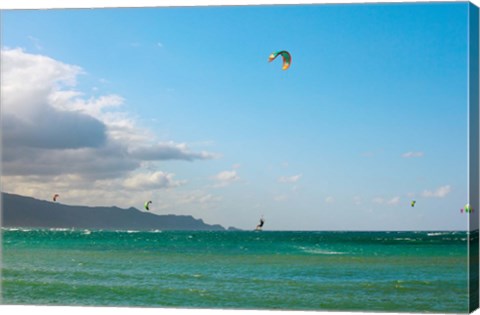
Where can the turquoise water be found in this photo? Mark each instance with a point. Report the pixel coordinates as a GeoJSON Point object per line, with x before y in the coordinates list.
{"type": "Point", "coordinates": [347, 271]}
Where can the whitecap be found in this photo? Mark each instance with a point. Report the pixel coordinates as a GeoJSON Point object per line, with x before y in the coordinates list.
{"type": "Point", "coordinates": [436, 234]}
{"type": "Point", "coordinates": [10, 229]}
{"type": "Point", "coordinates": [59, 229]}
{"type": "Point", "coordinates": [319, 251]}
{"type": "Point", "coordinates": [322, 252]}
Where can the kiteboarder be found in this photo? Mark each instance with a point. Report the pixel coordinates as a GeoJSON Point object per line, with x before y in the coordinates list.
{"type": "Point", "coordinates": [259, 226]}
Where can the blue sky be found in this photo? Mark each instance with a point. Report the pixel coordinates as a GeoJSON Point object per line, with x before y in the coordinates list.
{"type": "Point", "coordinates": [191, 115]}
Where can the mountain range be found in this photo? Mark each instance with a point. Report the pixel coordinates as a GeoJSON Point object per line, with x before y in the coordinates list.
{"type": "Point", "coordinates": [21, 211]}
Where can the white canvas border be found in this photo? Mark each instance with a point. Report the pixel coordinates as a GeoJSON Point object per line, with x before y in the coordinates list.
{"type": "Point", "coordinates": [51, 4]}
{"type": "Point", "coordinates": [72, 4]}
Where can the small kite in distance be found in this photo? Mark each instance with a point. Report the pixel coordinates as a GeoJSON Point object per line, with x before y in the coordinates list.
{"type": "Point", "coordinates": [413, 203]}
{"type": "Point", "coordinates": [467, 209]}
{"type": "Point", "coordinates": [147, 205]}
{"type": "Point", "coordinates": [287, 58]}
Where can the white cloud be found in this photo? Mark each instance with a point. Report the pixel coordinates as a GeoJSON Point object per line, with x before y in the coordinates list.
{"type": "Point", "coordinates": [42, 110]}
{"type": "Point", "coordinates": [198, 198]}
{"type": "Point", "coordinates": [156, 180]}
{"type": "Point", "coordinates": [169, 151]}
{"type": "Point", "coordinates": [289, 179]}
{"type": "Point", "coordinates": [28, 80]}
{"type": "Point", "coordinates": [408, 155]}
{"type": "Point", "coordinates": [440, 192]}
{"type": "Point", "coordinates": [225, 178]}
{"type": "Point", "coordinates": [383, 201]}
{"type": "Point", "coordinates": [29, 118]}
{"type": "Point", "coordinates": [329, 199]}
{"type": "Point", "coordinates": [54, 134]}
{"type": "Point", "coordinates": [73, 101]}
{"type": "Point", "coordinates": [393, 201]}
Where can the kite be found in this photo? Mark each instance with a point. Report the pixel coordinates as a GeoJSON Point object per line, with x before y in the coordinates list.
{"type": "Point", "coordinates": [413, 203]}
{"type": "Point", "coordinates": [287, 58]}
{"type": "Point", "coordinates": [467, 209]}
{"type": "Point", "coordinates": [147, 204]}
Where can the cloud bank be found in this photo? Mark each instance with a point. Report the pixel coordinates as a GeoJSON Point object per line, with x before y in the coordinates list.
{"type": "Point", "coordinates": [51, 130]}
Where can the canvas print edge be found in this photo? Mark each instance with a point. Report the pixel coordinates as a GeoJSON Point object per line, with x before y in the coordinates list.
{"type": "Point", "coordinates": [473, 158]}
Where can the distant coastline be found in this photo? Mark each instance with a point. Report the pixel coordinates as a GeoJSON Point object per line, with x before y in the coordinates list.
{"type": "Point", "coordinates": [27, 212]}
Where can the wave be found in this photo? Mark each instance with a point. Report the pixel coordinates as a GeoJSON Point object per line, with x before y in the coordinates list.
{"type": "Point", "coordinates": [16, 229]}
{"type": "Point", "coordinates": [438, 233]}
{"type": "Point", "coordinates": [319, 251]}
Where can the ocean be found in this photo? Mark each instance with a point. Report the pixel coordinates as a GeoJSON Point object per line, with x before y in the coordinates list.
{"type": "Point", "coordinates": [278, 270]}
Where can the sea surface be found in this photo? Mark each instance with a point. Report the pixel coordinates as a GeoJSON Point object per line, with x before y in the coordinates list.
{"type": "Point", "coordinates": [344, 271]}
